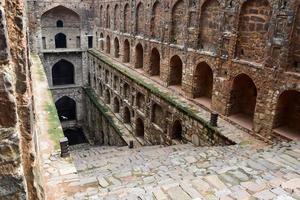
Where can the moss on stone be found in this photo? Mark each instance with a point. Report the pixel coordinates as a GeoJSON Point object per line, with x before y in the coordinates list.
{"type": "Point", "coordinates": [156, 91]}
{"type": "Point", "coordinates": [54, 128]}
{"type": "Point", "coordinates": [102, 109]}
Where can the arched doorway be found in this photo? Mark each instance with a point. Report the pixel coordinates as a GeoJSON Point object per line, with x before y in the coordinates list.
{"type": "Point", "coordinates": [127, 115]}
{"type": "Point", "coordinates": [126, 18]}
{"type": "Point", "coordinates": [107, 97]}
{"type": "Point", "coordinates": [176, 130]}
{"type": "Point", "coordinates": [155, 63]}
{"type": "Point", "coordinates": [107, 16]}
{"type": "Point", "coordinates": [209, 25]}
{"type": "Point", "coordinates": [59, 24]}
{"type": "Point", "coordinates": [117, 48]}
{"type": "Point", "coordinates": [66, 108]}
{"type": "Point", "coordinates": [139, 129]}
{"type": "Point", "coordinates": [287, 116]}
{"type": "Point", "coordinates": [63, 73]}
{"type": "Point", "coordinates": [100, 89]}
{"type": "Point", "coordinates": [243, 100]}
{"type": "Point", "coordinates": [203, 83]}
{"type": "Point", "coordinates": [254, 22]}
{"type": "Point", "coordinates": [155, 25]}
{"type": "Point", "coordinates": [108, 45]}
{"type": "Point", "coordinates": [60, 40]}
{"type": "Point", "coordinates": [139, 56]}
{"type": "Point", "coordinates": [175, 71]}
{"type": "Point", "coordinates": [116, 18]}
{"type": "Point", "coordinates": [157, 115]}
{"type": "Point", "coordinates": [140, 100]}
{"type": "Point", "coordinates": [140, 18]}
{"type": "Point", "coordinates": [178, 22]}
{"type": "Point", "coordinates": [126, 91]}
{"type": "Point", "coordinates": [116, 107]}
{"type": "Point", "coordinates": [126, 58]}
{"type": "Point", "coordinates": [101, 16]}
{"type": "Point", "coordinates": [101, 42]}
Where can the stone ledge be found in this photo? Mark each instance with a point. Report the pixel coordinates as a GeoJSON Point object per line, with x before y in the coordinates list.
{"type": "Point", "coordinates": [165, 96]}
{"type": "Point", "coordinates": [109, 116]}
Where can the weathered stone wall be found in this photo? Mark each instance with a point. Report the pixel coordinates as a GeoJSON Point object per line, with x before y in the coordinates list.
{"type": "Point", "coordinates": [74, 19]}
{"type": "Point", "coordinates": [255, 38]}
{"type": "Point", "coordinates": [100, 129]}
{"type": "Point", "coordinates": [138, 106]}
{"type": "Point", "coordinates": [16, 157]}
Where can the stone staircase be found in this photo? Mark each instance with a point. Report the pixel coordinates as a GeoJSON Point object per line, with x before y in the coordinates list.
{"type": "Point", "coordinates": [187, 172]}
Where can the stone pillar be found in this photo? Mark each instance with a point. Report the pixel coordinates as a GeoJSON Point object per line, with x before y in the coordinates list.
{"type": "Point", "coordinates": [64, 146]}
{"type": "Point", "coordinates": [214, 119]}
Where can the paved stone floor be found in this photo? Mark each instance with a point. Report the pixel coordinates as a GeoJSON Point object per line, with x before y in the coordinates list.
{"type": "Point", "coordinates": [179, 172]}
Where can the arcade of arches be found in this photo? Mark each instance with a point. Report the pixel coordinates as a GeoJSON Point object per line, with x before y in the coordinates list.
{"type": "Point", "coordinates": [234, 90]}
{"type": "Point", "coordinates": [187, 55]}
{"type": "Point", "coordinates": [217, 79]}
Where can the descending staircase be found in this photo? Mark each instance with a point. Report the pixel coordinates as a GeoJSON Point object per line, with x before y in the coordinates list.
{"type": "Point", "coordinates": [187, 172]}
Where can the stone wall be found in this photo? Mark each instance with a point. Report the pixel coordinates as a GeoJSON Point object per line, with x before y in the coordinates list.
{"type": "Point", "coordinates": [254, 38]}
{"type": "Point", "coordinates": [16, 155]}
{"type": "Point", "coordinates": [98, 124]}
{"type": "Point", "coordinates": [151, 116]}
{"type": "Point", "coordinates": [74, 21]}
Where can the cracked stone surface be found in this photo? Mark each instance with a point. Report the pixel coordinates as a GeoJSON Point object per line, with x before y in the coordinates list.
{"type": "Point", "coordinates": [178, 172]}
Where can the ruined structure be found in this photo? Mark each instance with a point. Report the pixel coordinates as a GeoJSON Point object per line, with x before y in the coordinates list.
{"type": "Point", "coordinates": [144, 73]}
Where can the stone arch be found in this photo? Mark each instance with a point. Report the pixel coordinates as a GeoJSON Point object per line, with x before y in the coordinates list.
{"type": "Point", "coordinates": [126, 18]}
{"type": "Point", "coordinates": [157, 115]}
{"type": "Point", "coordinates": [66, 108]}
{"type": "Point", "coordinates": [107, 16]}
{"type": "Point", "coordinates": [108, 44]}
{"type": "Point", "coordinates": [107, 76]}
{"type": "Point", "coordinates": [126, 58]}
{"type": "Point", "coordinates": [287, 114]}
{"type": "Point", "coordinates": [178, 22]}
{"type": "Point", "coordinates": [243, 98]}
{"type": "Point", "coordinates": [126, 115]}
{"type": "Point", "coordinates": [253, 30]}
{"type": "Point", "coordinates": [203, 81]}
{"type": "Point", "coordinates": [176, 132]}
{"type": "Point", "coordinates": [116, 17]}
{"type": "Point", "coordinates": [100, 89]}
{"type": "Point", "coordinates": [140, 18]}
{"type": "Point", "coordinates": [209, 25]}
{"type": "Point", "coordinates": [139, 56]}
{"type": "Point", "coordinates": [59, 24]}
{"type": "Point", "coordinates": [139, 128]}
{"type": "Point", "coordinates": [67, 15]}
{"type": "Point", "coordinates": [60, 40]}
{"type": "Point", "coordinates": [107, 97]}
{"type": "Point", "coordinates": [116, 105]}
{"type": "Point", "coordinates": [63, 73]}
{"type": "Point", "coordinates": [126, 91]}
{"type": "Point", "coordinates": [175, 71]}
{"type": "Point", "coordinates": [101, 16]}
{"type": "Point", "coordinates": [294, 60]}
{"type": "Point", "coordinates": [155, 62]}
{"type": "Point", "coordinates": [101, 41]}
{"type": "Point", "coordinates": [116, 82]}
{"type": "Point", "coordinates": [116, 48]}
{"type": "Point", "coordinates": [156, 19]}
{"type": "Point", "coordinates": [140, 100]}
